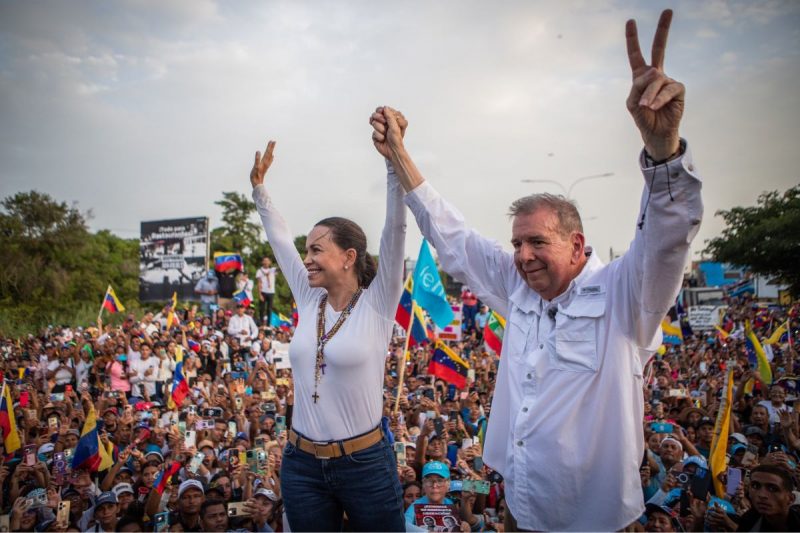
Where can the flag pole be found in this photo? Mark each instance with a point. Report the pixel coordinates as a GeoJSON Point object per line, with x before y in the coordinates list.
{"type": "Point", "coordinates": [102, 304]}
{"type": "Point", "coordinates": [402, 373]}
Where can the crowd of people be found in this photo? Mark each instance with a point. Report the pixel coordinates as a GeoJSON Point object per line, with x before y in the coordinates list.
{"type": "Point", "coordinates": [213, 463]}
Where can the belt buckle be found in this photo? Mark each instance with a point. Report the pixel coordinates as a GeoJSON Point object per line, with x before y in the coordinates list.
{"type": "Point", "coordinates": [316, 453]}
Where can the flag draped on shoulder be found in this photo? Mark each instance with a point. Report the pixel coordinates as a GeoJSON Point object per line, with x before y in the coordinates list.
{"type": "Point", "coordinates": [8, 422]}
{"type": "Point", "coordinates": [494, 331]}
{"type": "Point", "coordinates": [428, 290]}
{"type": "Point", "coordinates": [111, 303]}
{"type": "Point", "coordinates": [446, 364]}
{"type": "Point", "coordinates": [719, 444]}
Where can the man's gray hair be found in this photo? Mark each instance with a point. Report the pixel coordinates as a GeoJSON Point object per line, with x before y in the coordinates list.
{"type": "Point", "coordinates": [569, 220]}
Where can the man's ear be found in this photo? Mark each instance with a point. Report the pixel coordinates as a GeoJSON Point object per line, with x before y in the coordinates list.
{"type": "Point", "coordinates": [577, 241]}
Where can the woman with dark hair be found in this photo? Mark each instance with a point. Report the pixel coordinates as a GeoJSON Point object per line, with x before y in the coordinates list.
{"type": "Point", "coordinates": [337, 459]}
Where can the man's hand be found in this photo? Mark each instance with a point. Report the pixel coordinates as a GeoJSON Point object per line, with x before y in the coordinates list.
{"type": "Point", "coordinates": [389, 128]}
{"type": "Point", "coordinates": [261, 165]}
{"type": "Point", "coordinates": [656, 101]}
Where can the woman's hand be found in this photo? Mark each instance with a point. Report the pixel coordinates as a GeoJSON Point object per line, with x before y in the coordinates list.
{"type": "Point", "coordinates": [261, 165]}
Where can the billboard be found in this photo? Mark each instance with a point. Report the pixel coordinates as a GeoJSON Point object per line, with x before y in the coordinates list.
{"type": "Point", "coordinates": [173, 255]}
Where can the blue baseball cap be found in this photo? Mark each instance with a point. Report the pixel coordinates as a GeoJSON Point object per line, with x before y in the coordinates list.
{"type": "Point", "coordinates": [697, 460]}
{"type": "Point", "coordinates": [106, 497]}
{"type": "Point", "coordinates": [737, 448]}
{"type": "Point", "coordinates": [436, 468]}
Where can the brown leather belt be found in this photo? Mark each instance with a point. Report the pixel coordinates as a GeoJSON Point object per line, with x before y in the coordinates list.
{"type": "Point", "coordinates": [335, 449]}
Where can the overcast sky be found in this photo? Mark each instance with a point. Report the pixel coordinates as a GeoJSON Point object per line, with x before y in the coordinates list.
{"type": "Point", "coordinates": [143, 110]}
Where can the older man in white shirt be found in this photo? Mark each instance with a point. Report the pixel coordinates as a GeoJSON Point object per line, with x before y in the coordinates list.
{"type": "Point", "coordinates": [566, 423]}
{"type": "Point", "coordinates": [242, 326]}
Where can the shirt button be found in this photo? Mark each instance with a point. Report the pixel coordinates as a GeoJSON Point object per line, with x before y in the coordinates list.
{"type": "Point", "coordinates": [541, 346]}
{"type": "Point", "coordinates": [529, 376]}
{"type": "Point", "coordinates": [519, 443]}
{"type": "Point", "coordinates": [524, 409]}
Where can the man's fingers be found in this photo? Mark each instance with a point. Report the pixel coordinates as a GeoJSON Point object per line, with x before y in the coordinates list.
{"type": "Point", "coordinates": [378, 137]}
{"type": "Point", "coordinates": [660, 40]}
{"type": "Point", "coordinates": [258, 158]}
{"type": "Point", "coordinates": [634, 52]}
{"type": "Point", "coordinates": [640, 84]}
{"type": "Point", "coordinates": [270, 148]}
{"type": "Point", "coordinates": [379, 127]}
{"type": "Point", "coordinates": [652, 90]}
{"type": "Point", "coordinates": [377, 116]}
{"type": "Point", "coordinates": [673, 90]}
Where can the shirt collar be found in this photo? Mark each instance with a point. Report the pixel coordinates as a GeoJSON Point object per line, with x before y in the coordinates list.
{"type": "Point", "coordinates": [526, 299]}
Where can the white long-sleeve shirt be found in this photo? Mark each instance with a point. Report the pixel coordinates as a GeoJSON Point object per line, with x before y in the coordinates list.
{"type": "Point", "coordinates": [237, 324]}
{"type": "Point", "coordinates": [566, 424]}
{"type": "Point", "coordinates": [351, 390]}
{"type": "Point", "coordinates": [141, 379]}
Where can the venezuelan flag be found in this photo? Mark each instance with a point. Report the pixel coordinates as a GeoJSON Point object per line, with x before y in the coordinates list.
{"type": "Point", "coordinates": [672, 332]}
{"type": "Point", "coordinates": [242, 298]}
{"type": "Point", "coordinates": [193, 346]}
{"type": "Point", "coordinates": [403, 314]}
{"type": "Point", "coordinates": [228, 262]}
{"type": "Point", "coordinates": [778, 334]}
{"type": "Point", "coordinates": [280, 321]}
{"type": "Point", "coordinates": [163, 478]}
{"type": "Point", "coordinates": [180, 387]}
{"type": "Point", "coordinates": [111, 303]}
{"type": "Point", "coordinates": [447, 365]}
{"type": "Point", "coordinates": [172, 318]}
{"type": "Point", "coordinates": [8, 423]}
{"type": "Point", "coordinates": [90, 453]}
{"type": "Point", "coordinates": [719, 444]}
{"type": "Point", "coordinates": [754, 346]}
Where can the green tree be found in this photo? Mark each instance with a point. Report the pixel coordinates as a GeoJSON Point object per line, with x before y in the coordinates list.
{"type": "Point", "coordinates": [55, 270]}
{"type": "Point", "coordinates": [764, 238]}
{"type": "Point", "coordinates": [238, 232]}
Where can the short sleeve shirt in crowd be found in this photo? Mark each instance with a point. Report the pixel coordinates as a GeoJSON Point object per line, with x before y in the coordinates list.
{"type": "Point", "coordinates": [266, 279]}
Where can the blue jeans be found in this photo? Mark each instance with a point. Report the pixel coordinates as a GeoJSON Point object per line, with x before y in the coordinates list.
{"type": "Point", "coordinates": [316, 492]}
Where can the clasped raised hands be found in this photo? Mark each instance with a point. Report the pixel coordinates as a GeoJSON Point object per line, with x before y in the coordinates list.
{"type": "Point", "coordinates": [388, 129]}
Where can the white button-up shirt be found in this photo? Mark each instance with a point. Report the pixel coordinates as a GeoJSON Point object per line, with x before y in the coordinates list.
{"type": "Point", "coordinates": [566, 424]}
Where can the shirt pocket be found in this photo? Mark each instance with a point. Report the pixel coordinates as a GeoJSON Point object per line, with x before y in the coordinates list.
{"type": "Point", "coordinates": [577, 328]}
{"type": "Point", "coordinates": [516, 334]}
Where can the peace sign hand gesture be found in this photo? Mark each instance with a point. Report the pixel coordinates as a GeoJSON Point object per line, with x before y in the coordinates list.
{"type": "Point", "coordinates": [656, 101]}
{"type": "Point", "coordinates": [261, 165]}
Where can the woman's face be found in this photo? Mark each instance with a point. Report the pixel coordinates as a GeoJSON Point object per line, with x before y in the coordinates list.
{"type": "Point", "coordinates": [324, 260]}
{"type": "Point", "coordinates": [149, 475]}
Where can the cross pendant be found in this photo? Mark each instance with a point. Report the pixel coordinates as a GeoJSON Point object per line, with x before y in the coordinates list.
{"type": "Point", "coordinates": [315, 396]}
{"type": "Point", "coordinates": [322, 367]}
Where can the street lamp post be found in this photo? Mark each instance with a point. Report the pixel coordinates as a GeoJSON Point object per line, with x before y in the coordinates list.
{"type": "Point", "coordinates": [568, 190]}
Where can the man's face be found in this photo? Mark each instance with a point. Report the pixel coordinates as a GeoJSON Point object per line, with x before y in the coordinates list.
{"type": "Point", "coordinates": [768, 495]}
{"type": "Point", "coordinates": [658, 522]}
{"type": "Point", "coordinates": [215, 518]}
{"type": "Point", "coordinates": [670, 452]}
{"type": "Point", "coordinates": [145, 351]}
{"type": "Point", "coordinates": [705, 433]}
{"type": "Point", "coordinates": [544, 258]}
{"type": "Point", "coordinates": [411, 494]}
{"type": "Point", "coordinates": [190, 501]}
{"type": "Point", "coordinates": [760, 416]}
{"type": "Point", "coordinates": [266, 262]}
